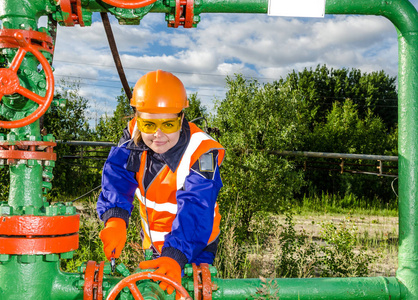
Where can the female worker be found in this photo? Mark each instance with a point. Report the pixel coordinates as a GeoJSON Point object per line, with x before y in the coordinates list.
{"type": "Point", "coordinates": [173, 168]}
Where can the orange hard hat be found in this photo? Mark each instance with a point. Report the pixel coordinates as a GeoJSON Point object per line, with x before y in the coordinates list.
{"type": "Point", "coordinates": [159, 92]}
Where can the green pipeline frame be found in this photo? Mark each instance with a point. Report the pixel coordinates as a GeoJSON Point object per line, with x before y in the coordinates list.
{"type": "Point", "coordinates": [29, 276]}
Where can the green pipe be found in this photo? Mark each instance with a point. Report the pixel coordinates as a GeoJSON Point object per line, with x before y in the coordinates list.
{"type": "Point", "coordinates": [27, 277]}
{"type": "Point", "coordinates": [369, 288]}
{"type": "Point", "coordinates": [23, 14]}
{"type": "Point", "coordinates": [26, 185]}
{"type": "Point", "coordinates": [400, 12]}
{"type": "Point", "coordinates": [201, 6]}
{"type": "Point", "coordinates": [66, 286]}
{"type": "Point", "coordinates": [231, 6]}
{"type": "Point", "coordinates": [408, 163]}
{"type": "Point", "coordinates": [26, 176]}
{"type": "Point", "coordinates": [405, 18]}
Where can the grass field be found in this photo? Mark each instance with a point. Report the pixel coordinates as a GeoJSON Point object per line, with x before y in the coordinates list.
{"type": "Point", "coordinates": [316, 244]}
{"type": "Point", "coordinates": [355, 244]}
{"type": "Point", "coordinates": [379, 234]}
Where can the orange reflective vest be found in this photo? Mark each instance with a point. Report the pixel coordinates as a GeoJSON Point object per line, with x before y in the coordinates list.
{"type": "Point", "coordinates": [158, 203]}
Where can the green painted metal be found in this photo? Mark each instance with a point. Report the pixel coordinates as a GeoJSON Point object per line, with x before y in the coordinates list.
{"type": "Point", "coordinates": [37, 276]}
{"type": "Point", "coordinates": [26, 185]}
{"type": "Point", "coordinates": [231, 6]}
{"type": "Point", "coordinates": [404, 16]}
{"type": "Point", "coordinates": [23, 14]}
{"type": "Point", "coordinates": [32, 277]}
{"type": "Point", "coordinates": [408, 163]}
{"type": "Point", "coordinates": [377, 288]}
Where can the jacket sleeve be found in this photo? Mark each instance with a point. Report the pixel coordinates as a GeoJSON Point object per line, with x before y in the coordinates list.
{"type": "Point", "coordinates": [118, 187]}
{"type": "Point", "coordinates": [193, 224]}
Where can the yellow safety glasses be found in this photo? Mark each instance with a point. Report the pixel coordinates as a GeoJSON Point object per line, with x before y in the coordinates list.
{"type": "Point", "coordinates": [152, 125]}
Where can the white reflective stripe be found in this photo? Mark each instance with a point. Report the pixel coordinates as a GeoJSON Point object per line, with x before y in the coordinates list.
{"type": "Point", "coordinates": [134, 129]}
{"type": "Point", "coordinates": [120, 145]}
{"type": "Point", "coordinates": [156, 236]}
{"type": "Point", "coordinates": [214, 211]}
{"type": "Point", "coordinates": [184, 167]}
{"type": "Point", "coordinates": [167, 207]}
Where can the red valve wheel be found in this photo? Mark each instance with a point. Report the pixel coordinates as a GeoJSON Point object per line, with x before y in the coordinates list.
{"type": "Point", "coordinates": [132, 279]}
{"type": "Point", "coordinates": [129, 3]}
{"type": "Point", "coordinates": [9, 83]}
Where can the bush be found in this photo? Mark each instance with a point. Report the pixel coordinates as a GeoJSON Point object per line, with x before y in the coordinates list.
{"type": "Point", "coordinates": [341, 258]}
{"type": "Point", "coordinates": [288, 253]}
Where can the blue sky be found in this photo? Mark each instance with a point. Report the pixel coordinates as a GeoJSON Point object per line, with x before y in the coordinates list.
{"type": "Point", "coordinates": [258, 46]}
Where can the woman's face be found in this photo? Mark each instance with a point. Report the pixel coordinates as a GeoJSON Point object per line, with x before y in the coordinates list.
{"type": "Point", "coordinates": [159, 141]}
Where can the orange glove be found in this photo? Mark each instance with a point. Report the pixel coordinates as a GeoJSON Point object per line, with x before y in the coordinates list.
{"type": "Point", "coordinates": [113, 237]}
{"type": "Point", "coordinates": [166, 266]}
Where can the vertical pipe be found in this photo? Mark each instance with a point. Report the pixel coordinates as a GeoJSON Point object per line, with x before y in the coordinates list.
{"type": "Point", "coordinates": [26, 185]}
{"type": "Point", "coordinates": [408, 162]}
{"type": "Point", "coordinates": [26, 176]}
{"type": "Point", "coordinates": [405, 18]}
{"type": "Point", "coordinates": [27, 277]}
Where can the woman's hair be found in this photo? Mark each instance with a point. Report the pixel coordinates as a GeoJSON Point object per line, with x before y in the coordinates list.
{"type": "Point", "coordinates": [137, 137]}
{"type": "Point", "coordinates": [137, 134]}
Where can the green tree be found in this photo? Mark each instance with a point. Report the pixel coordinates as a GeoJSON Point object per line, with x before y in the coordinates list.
{"type": "Point", "coordinates": [72, 174]}
{"type": "Point", "coordinates": [344, 131]}
{"type": "Point", "coordinates": [110, 128]}
{"type": "Point", "coordinates": [69, 121]}
{"type": "Point", "coordinates": [321, 87]}
{"type": "Point", "coordinates": [254, 119]}
{"type": "Point", "coordinates": [196, 111]}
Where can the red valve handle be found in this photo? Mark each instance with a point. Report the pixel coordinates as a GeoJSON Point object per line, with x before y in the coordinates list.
{"type": "Point", "coordinates": [132, 279]}
{"type": "Point", "coordinates": [129, 3]}
{"type": "Point", "coordinates": [10, 84]}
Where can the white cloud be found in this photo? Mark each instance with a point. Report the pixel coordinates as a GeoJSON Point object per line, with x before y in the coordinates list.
{"type": "Point", "coordinates": [255, 45]}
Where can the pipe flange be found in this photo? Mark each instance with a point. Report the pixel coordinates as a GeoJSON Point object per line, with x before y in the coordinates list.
{"type": "Point", "coordinates": [183, 14]}
{"type": "Point", "coordinates": [37, 150]}
{"type": "Point", "coordinates": [71, 12]}
{"type": "Point", "coordinates": [202, 282]}
{"type": "Point", "coordinates": [93, 281]}
{"type": "Point", "coordinates": [32, 235]}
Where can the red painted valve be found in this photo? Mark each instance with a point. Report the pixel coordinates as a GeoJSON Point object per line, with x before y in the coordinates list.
{"type": "Point", "coordinates": [184, 14]}
{"type": "Point", "coordinates": [131, 280]}
{"type": "Point", "coordinates": [9, 83]}
{"type": "Point", "coordinates": [73, 11]}
{"type": "Point", "coordinates": [129, 3]}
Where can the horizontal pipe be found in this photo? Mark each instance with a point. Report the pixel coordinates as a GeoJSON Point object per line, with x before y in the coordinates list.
{"type": "Point", "coordinates": [360, 288]}
{"type": "Point", "coordinates": [231, 6]}
{"type": "Point", "coordinates": [87, 143]}
{"type": "Point", "coordinates": [337, 155]}
{"type": "Point", "coordinates": [400, 12]}
{"type": "Point", "coordinates": [290, 153]}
